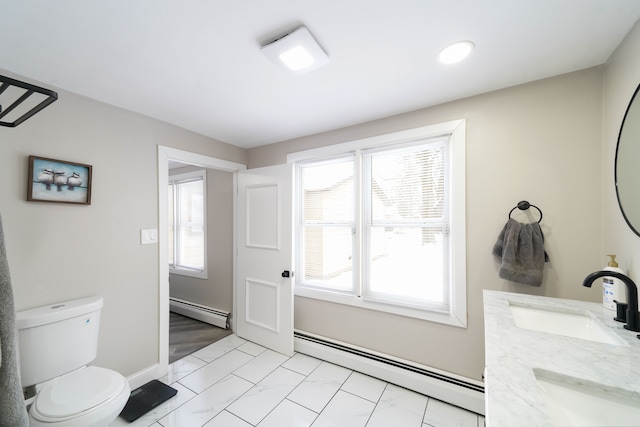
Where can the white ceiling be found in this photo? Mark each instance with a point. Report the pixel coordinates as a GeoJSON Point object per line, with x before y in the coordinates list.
{"type": "Point", "coordinates": [197, 63]}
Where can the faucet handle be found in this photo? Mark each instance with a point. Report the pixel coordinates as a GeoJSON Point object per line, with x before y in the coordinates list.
{"type": "Point", "coordinates": [621, 311]}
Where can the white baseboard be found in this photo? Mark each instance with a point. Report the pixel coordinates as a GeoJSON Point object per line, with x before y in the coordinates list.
{"type": "Point", "coordinates": [450, 388]}
{"type": "Point", "coordinates": [142, 377]}
{"type": "Point", "coordinates": [456, 390]}
{"type": "Point", "coordinates": [199, 312]}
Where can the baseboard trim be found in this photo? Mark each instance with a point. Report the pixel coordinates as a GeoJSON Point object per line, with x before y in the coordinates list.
{"type": "Point", "coordinates": [453, 389]}
{"type": "Point", "coordinates": [200, 312]}
{"type": "Point", "coordinates": [145, 375]}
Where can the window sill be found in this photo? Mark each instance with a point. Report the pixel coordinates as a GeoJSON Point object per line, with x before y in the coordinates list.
{"type": "Point", "coordinates": [447, 318]}
{"type": "Point", "coordinates": [184, 272]}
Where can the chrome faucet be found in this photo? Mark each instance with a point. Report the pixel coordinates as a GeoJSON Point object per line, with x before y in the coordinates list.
{"type": "Point", "coordinates": [633, 317]}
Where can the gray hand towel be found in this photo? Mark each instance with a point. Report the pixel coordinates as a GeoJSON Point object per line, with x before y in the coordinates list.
{"type": "Point", "coordinates": [520, 248]}
{"type": "Point", "coordinates": [13, 412]}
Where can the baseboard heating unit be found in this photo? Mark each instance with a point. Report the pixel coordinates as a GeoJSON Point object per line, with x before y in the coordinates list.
{"type": "Point", "coordinates": [450, 388]}
{"type": "Point", "coordinates": [200, 312]}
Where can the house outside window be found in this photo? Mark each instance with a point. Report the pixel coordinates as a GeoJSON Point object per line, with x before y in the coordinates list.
{"type": "Point", "coordinates": [380, 223]}
{"type": "Point", "coordinates": [187, 224]}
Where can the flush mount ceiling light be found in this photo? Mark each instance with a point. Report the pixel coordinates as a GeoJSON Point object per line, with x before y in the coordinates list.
{"type": "Point", "coordinates": [20, 100]}
{"type": "Point", "coordinates": [455, 52]}
{"type": "Point", "coordinates": [297, 52]}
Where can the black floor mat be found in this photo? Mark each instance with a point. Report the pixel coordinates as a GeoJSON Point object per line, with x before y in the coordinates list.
{"type": "Point", "coordinates": [145, 398]}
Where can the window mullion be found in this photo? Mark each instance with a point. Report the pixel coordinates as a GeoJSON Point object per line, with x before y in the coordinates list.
{"type": "Point", "coordinates": [358, 229]}
{"type": "Point", "coordinates": [175, 224]}
{"type": "Point", "coordinates": [299, 225]}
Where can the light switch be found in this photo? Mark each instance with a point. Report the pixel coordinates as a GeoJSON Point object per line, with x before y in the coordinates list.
{"type": "Point", "coordinates": [148, 236]}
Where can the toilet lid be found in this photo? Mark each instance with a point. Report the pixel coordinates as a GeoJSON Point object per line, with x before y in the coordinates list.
{"type": "Point", "coordinates": [78, 391]}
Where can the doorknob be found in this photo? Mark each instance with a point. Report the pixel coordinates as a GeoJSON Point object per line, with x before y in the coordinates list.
{"type": "Point", "coordinates": [286, 273]}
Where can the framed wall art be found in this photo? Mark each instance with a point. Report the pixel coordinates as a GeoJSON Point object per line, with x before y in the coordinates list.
{"type": "Point", "coordinates": [58, 181]}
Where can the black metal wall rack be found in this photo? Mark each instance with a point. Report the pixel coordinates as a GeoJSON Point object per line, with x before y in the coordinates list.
{"type": "Point", "coordinates": [27, 91]}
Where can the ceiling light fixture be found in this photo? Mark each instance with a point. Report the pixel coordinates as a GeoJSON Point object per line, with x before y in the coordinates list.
{"type": "Point", "coordinates": [455, 52]}
{"type": "Point", "coordinates": [297, 52]}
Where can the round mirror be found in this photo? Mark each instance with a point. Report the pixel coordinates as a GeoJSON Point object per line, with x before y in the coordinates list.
{"type": "Point", "coordinates": [627, 171]}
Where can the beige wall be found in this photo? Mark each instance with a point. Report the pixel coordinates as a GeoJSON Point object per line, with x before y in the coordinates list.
{"type": "Point", "coordinates": [622, 76]}
{"type": "Point", "coordinates": [59, 252]}
{"type": "Point", "coordinates": [217, 290]}
{"type": "Point", "coordinates": [541, 142]}
{"type": "Point", "coordinates": [538, 142]}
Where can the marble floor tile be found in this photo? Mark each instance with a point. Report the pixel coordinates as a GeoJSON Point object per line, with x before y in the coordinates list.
{"type": "Point", "coordinates": [364, 386]}
{"type": "Point", "coordinates": [261, 366]}
{"type": "Point", "coordinates": [219, 348]}
{"type": "Point", "coordinates": [320, 386]}
{"type": "Point", "coordinates": [227, 419]}
{"type": "Point", "coordinates": [440, 414]}
{"type": "Point", "coordinates": [251, 348]}
{"type": "Point", "coordinates": [289, 414]}
{"type": "Point", "coordinates": [202, 408]}
{"type": "Point", "coordinates": [302, 364]}
{"type": "Point", "coordinates": [261, 399]}
{"type": "Point", "coordinates": [237, 383]}
{"type": "Point", "coordinates": [399, 407]}
{"type": "Point", "coordinates": [183, 367]}
{"type": "Point", "coordinates": [213, 372]}
{"type": "Point", "coordinates": [346, 410]}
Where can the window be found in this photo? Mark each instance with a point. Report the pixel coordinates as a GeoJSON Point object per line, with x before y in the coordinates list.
{"type": "Point", "coordinates": [187, 224]}
{"type": "Point", "coordinates": [380, 223]}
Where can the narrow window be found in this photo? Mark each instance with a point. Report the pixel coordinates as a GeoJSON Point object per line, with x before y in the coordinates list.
{"type": "Point", "coordinates": [405, 225]}
{"type": "Point", "coordinates": [187, 224]}
{"type": "Point", "coordinates": [327, 223]}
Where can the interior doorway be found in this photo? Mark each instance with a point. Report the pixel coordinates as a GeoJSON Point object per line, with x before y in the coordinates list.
{"type": "Point", "coordinates": [166, 155]}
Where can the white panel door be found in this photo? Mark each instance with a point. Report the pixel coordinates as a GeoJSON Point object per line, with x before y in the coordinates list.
{"type": "Point", "coordinates": [264, 279]}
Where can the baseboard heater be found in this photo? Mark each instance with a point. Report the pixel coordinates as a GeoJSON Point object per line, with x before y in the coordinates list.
{"type": "Point", "coordinates": [459, 391]}
{"type": "Point", "coordinates": [200, 312]}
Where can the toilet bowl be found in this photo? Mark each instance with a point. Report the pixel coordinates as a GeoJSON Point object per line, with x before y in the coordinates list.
{"type": "Point", "coordinates": [57, 343]}
{"type": "Point", "coordinates": [89, 396]}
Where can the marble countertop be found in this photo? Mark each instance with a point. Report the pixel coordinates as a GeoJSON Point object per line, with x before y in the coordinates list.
{"type": "Point", "coordinates": [512, 355]}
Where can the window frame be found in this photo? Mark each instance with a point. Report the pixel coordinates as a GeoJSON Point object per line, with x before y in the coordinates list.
{"type": "Point", "coordinates": [174, 180]}
{"type": "Point", "coordinates": [455, 130]}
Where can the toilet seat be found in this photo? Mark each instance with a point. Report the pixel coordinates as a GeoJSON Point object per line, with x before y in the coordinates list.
{"type": "Point", "coordinates": [78, 393]}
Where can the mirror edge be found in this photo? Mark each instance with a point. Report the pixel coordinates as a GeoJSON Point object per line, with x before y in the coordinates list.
{"type": "Point", "coordinates": [615, 173]}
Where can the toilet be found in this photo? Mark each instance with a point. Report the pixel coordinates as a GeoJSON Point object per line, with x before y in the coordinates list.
{"type": "Point", "coordinates": [56, 344]}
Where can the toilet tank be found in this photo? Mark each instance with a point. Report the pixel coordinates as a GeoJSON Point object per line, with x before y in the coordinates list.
{"type": "Point", "coordinates": [57, 338]}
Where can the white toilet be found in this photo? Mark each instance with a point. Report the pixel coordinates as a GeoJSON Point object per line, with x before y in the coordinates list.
{"type": "Point", "coordinates": [56, 343]}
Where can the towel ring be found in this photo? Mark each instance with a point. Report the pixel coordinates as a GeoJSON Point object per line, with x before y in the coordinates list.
{"type": "Point", "coordinates": [523, 206]}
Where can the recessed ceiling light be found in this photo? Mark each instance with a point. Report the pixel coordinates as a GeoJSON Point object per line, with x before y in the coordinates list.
{"type": "Point", "coordinates": [455, 52]}
{"type": "Point", "coordinates": [297, 52]}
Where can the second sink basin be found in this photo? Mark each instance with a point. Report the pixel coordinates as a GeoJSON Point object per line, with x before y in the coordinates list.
{"type": "Point", "coordinates": [572, 402]}
{"type": "Point", "coordinates": [574, 324]}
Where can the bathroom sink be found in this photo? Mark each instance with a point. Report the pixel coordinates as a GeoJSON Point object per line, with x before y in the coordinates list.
{"type": "Point", "coordinates": [576, 324]}
{"type": "Point", "coordinates": [571, 402]}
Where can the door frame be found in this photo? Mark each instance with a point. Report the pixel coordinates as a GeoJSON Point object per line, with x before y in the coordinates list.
{"type": "Point", "coordinates": [165, 154]}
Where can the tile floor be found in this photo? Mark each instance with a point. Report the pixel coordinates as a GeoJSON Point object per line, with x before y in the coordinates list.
{"type": "Point", "coordinates": [236, 383]}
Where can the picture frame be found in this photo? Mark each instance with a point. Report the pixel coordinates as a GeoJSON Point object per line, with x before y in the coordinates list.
{"type": "Point", "coordinates": [58, 181]}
